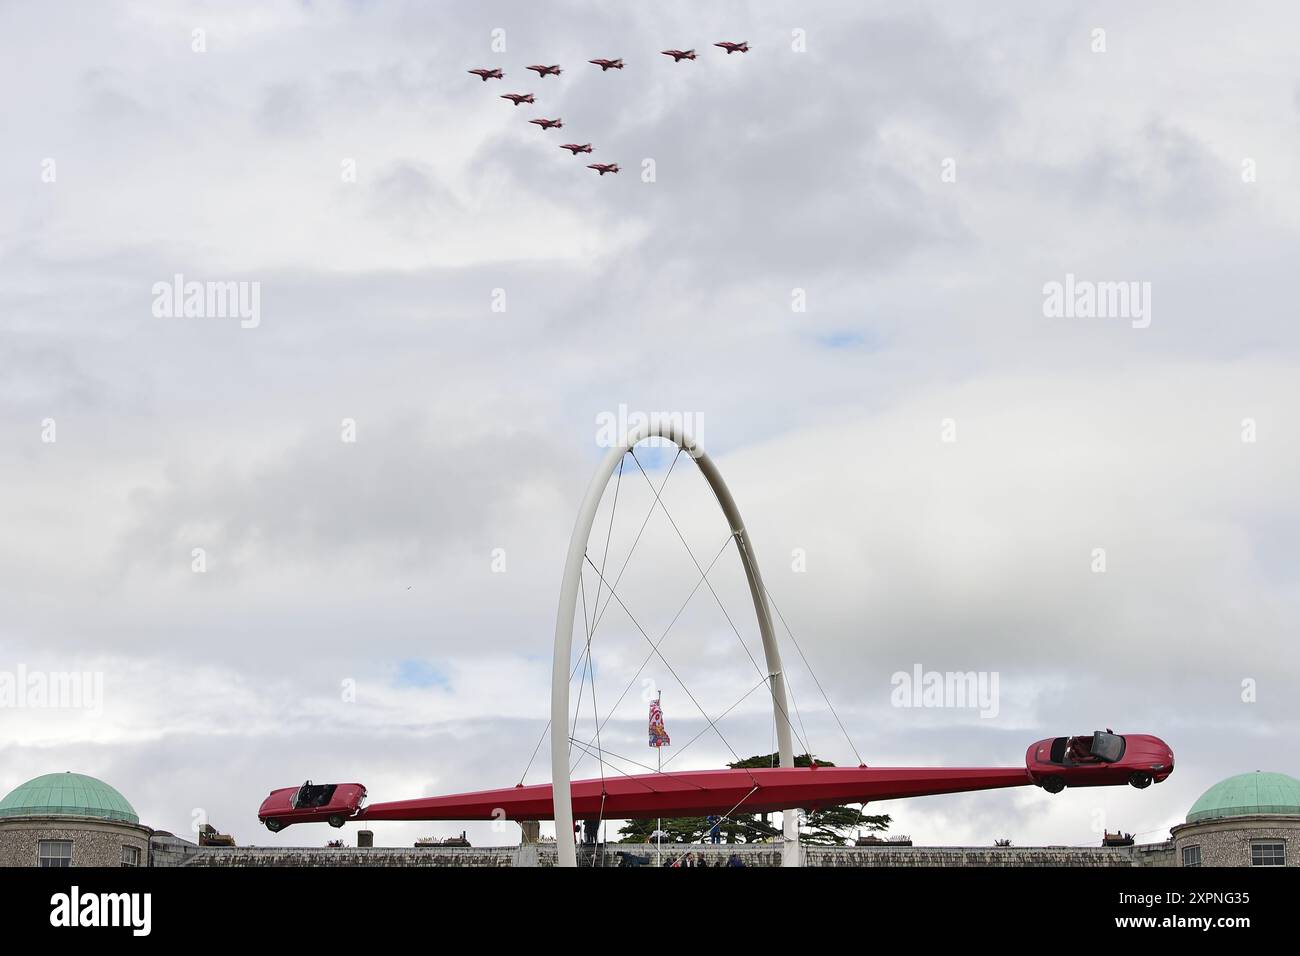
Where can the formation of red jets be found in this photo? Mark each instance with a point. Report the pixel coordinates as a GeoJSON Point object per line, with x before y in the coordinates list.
{"type": "Point", "coordinates": [543, 71]}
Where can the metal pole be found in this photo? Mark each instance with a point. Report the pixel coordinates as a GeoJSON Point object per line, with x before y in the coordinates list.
{"type": "Point", "coordinates": [659, 821]}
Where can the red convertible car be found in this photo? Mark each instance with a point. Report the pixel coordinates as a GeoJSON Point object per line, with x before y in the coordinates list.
{"type": "Point", "coordinates": [335, 803]}
{"type": "Point", "coordinates": [1102, 758]}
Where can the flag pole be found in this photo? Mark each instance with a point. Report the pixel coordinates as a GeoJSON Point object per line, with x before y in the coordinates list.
{"type": "Point", "coordinates": [659, 822]}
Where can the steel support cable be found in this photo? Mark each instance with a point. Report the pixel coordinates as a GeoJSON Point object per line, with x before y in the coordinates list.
{"type": "Point", "coordinates": [641, 782]}
{"type": "Point", "coordinates": [742, 699]}
{"type": "Point", "coordinates": [691, 555]}
{"type": "Point", "coordinates": [789, 684]}
{"type": "Point", "coordinates": [748, 826]}
{"type": "Point", "coordinates": [574, 671]}
{"type": "Point", "coordinates": [648, 515]}
{"type": "Point", "coordinates": [725, 816]}
{"type": "Point", "coordinates": [755, 829]}
{"type": "Point", "coordinates": [600, 757]}
{"type": "Point", "coordinates": [584, 658]}
{"type": "Point", "coordinates": [664, 635]}
{"type": "Point", "coordinates": [794, 703]}
{"type": "Point", "coordinates": [636, 763]}
{"type": "Point", "coordinates": [813, 673]}
{"type": "Point", "coordinates": [614, 594]}
{"type": "Point", "coordinates": [740, 543]}
{"type": "Point", "coordinates": [595, 718]}
{"type": "Point", "coordinates": [584, 661]}
{"type": "Point", "coordinates": [595, 846]}
{"type": "Point", "coordinates": [613, 509]}
{"type": "Point", "coordinates": [590, 669]}
{"type": "Point", "coordinates": [587, 622]}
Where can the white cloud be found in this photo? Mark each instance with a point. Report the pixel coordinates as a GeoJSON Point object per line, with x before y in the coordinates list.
{"type": "Point", "coordinates": [777, 170]}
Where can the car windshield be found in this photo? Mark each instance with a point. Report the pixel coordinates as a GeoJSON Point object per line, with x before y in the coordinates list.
{"type": "Point", "coordinates": [1107, 747]}
{"type": "Point", "coordinates": [311, 796]}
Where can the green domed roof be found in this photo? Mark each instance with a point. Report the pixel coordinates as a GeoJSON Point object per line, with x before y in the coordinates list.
{"type": "Point", "coordinates": [67, 795]}
{"type": "Point", "coordinates": [1248, 794]}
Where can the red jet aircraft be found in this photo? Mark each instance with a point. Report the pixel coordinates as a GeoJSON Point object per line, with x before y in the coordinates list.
{"type": "Point", "coordinates": [548, 124]}
{"type": "Point", "coordinates": [608, 64]}
{"type": "Point", "coordinates": [518, 98]}
{"type": "Point", "coordinates": [734, 47]}
{"type": "Point", "coordinates": [679, 55]}
{"type": "Point", "coordinates": [603, 168]}
{"type": "Point", "coordinates": [575, 148]}
{"type": "Point", "coordinates": [486, 75]}
{"type": "Point", "coordinates": [546, 70]}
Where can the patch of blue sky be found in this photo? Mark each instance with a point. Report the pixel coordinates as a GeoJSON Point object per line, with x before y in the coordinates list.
{"type": "Point", "coordinates": [420, 673]}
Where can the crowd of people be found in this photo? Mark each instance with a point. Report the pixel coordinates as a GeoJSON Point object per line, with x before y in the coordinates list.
{"type": "Point", "coordinates": [703, 859]}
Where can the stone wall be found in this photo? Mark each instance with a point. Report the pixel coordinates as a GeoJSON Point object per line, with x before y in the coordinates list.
{"type": "Point", "coordinates": [708, 854]}
{"type": "Point", "coordinates": [170, 850]}
{"type": "Point", "coordinates": [1154, 854]}
{"type": "Point", "coordinates": [751, 855]}
{"type": "Point", "coordinates": [1227, 841]}
{"type": "Point", "coordinates": [94, 842]}
{"type": "Point", "coordinates": [352, 856]}
{"type": "Point", "coordinates": [873, 856]}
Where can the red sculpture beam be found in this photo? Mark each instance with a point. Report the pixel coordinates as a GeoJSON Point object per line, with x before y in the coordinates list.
{"type": "Point", "coordinates": [700, 792]}
{"type": "Point", "coordinates": [1097, 760]}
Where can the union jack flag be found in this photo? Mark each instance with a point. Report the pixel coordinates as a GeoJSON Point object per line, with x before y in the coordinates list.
{"type": "Point", "coordinates": [658, 735]}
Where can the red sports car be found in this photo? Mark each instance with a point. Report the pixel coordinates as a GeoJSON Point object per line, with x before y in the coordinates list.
{"type": "Point", "coordinates": [335, 803]}
{"type": "Point", "coordinates": [1102, 758]}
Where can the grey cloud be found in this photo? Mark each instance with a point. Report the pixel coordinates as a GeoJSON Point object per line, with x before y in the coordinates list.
{"type": "Point", "coordinates": [476, 429]}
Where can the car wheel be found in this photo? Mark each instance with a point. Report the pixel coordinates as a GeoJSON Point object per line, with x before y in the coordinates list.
{"type": "Point", "coordinates": [1053, 784]}
{"type": "Point", "coordinates": [275, 826]}
{"type": "Point", "coordinates": [336, 821]}
{"type": "Point", "coordinates": [1140, 779]}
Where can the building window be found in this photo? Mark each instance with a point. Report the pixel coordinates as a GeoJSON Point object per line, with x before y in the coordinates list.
{"type": "Point", "coordinates": [1268, 853]}
{"type": "Point", "coordinates": [130, 856]}
{"type": "Point", "coordinates": [55, 853]}
{"type": "Point", "coordinates": [1191, 856]}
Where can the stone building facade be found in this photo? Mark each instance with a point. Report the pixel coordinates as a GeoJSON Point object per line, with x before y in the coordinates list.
{"type": "Point", "coordinates": [1239, 841]}
{"type": "Point", "coordinates": [25, 841]}
{"type": "Point", "coordinates": [1252, 819]}
{"type": "Point", "coordinates": [72, 820]}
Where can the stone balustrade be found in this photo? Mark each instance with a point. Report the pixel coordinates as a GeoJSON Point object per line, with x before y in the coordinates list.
{"type": "Point", "coordinates": [353, 856]}
{"type": "Point", "coordinates": [615, 854]}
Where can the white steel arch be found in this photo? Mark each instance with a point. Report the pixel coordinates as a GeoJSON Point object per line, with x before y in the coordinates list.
{"type": "Point", "coordinates": [560, 675]}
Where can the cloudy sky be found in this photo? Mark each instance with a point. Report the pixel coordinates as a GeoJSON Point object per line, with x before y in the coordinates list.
{"type": "Point", "coordinates": [831, 253]}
